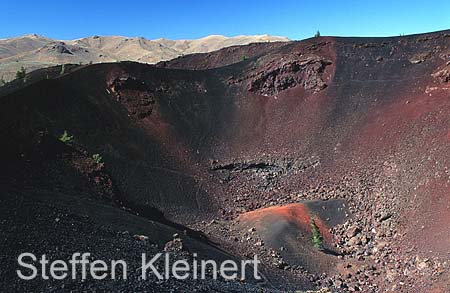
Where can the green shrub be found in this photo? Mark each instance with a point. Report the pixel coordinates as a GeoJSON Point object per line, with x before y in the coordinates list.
{"type": "Point", "coordinates": [317, 34]}
{"type": "Point", "coordinates": [317, 239]}
{"type": "Point", "coordinates": [97, 158]}
{"type": "Point", "coordinates": [21, 74]}
{"type": "Point", "coordinates": [63, 69]}
{"type": "Point", "coordinates": [66, 137]}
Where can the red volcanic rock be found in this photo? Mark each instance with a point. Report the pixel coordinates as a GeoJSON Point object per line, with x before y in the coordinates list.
{"type": "Point", "coordinates": [134, 94]}
{"type": "Point", "coordinates": [222, 57]}
{"type": "Point", "coordinates": [289, 71]}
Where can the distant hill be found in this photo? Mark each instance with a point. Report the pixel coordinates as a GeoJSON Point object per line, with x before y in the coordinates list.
{"type": "Point", "coordinates": [34, 51]}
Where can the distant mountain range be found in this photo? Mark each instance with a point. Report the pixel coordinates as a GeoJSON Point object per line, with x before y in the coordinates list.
{"type": "Point", "coordinates": [35, 51]}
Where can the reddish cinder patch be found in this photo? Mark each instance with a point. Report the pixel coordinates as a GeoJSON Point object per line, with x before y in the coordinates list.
{"type": "Point", "coordinates": [448, 135]}
{"type": "Point", "coordinates": [430, 220]}
{"type": "Point", "coordinates": [295, 213]}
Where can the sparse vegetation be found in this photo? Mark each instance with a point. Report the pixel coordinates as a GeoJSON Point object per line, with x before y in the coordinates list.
{"type": "Point", "coordinates": [244, 58]}
{"type": "Point", "coordinates": [97, 158]}
{"type": "Point", "coordinates": [66, 137]}
{"type": "Point", "coordinates": [317, 34]}
{"type": "Point", "coordinates": [63, 69]}
{"type": "Point", "coordinates": [2, 82]}
{"type": "Point", "coordinates": [21, 74]}
{"type": "Point", "coordinates": [317, 238]}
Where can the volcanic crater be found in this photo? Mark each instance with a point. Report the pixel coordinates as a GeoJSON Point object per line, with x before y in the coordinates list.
{"type": "Point", "coordinates": [234, 153]}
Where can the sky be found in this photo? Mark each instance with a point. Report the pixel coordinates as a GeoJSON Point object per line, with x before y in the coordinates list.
{"type": "Point", "coordinates": [190, 19]}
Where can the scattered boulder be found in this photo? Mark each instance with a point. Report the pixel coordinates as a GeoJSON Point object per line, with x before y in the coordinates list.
{"type": "Point", "coordinates": [442, 75]}
{"type": "Point", "coordinates": [353, 231]}
{"type": "Point", "coordinates": [175, 245]}
{"type": "Point", "coordinates": [419, 58]}
{"type": "Point", "coordinates": [141, 237]}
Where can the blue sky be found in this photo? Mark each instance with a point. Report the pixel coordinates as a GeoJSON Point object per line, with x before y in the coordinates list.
{"type": "Point", "coordinates": [189, 19]}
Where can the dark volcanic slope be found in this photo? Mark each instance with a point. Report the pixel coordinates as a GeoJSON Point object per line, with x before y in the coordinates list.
{"type": "Point", "coordinates": [362, 120]}
{"type": "Point", "coordinates": [222, 57]}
